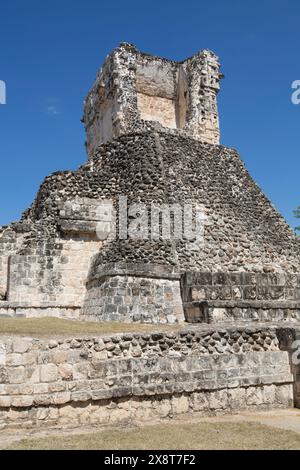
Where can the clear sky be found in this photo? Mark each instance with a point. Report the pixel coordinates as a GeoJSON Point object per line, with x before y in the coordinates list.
{"type": "Point", "coordinates": [50, 51]}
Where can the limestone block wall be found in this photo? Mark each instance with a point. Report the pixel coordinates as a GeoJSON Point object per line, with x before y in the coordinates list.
{"type": "Point", "coordinates": [126, 377]}
{"type": "Point", "coordinates": [156, 88]}
{"type": "Point", "coordinates": [31, 309]}
{"type": "Point", "coordinates": [55, 284]}
{"type": "Point", "coordinates": [241, 285]}
{"type": "Point", "coordinates": [59, 277]}
{"type": "Point", "coordinates": [133, 299]}
{"type": "Point", "coordinates": [289, 340]}
{"type": "Point", "coordinates": [10, 242]}
{"type": "Point", "coordinates": [32, 277]}
{"type": "Point", "coordinates": [51, 271]}
{"type": "Point", "coordinates": [214, 297]}
{"type": "Point", "coordinates": [133, 293]}
{"type": "Point", "coordinates": [77, 254]}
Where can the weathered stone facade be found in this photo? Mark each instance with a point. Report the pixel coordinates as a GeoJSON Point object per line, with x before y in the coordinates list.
{"type": "Point", "coordinates": [128, 377]}
{"type": "Point", "coordinates": [153, 143]}
{"type": "Point", "coordinates": [135, 91]}
{"type": "Point", "coordinates": [134, 299]}
{"type": "Point", "coordinates": [68, 256]}
{"type": "Point", "coordinates": [241, 296]}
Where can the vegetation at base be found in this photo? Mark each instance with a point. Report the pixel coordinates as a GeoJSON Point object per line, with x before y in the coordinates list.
{"type": "Point", "coordinates": [173, 436]}
{"type": "Point", "coordinates": [48, 326]}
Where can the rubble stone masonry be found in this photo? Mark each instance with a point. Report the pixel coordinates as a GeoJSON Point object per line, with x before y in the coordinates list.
{"type": "Point", "coordinates": [121, 378]}
{"type": "Point", "coordinates": [153, 139]}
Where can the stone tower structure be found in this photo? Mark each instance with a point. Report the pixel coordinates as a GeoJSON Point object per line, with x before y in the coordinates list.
{"type": "Point", "coordinates": [162, 224]}
{"type": "Point", "coordinates": [88, 248]}
{"type": "Point", "coordinates": [134, 92]}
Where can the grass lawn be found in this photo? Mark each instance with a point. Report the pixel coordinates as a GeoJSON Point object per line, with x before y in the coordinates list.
{"type": "Point", "coordinates": [56, 326]}
{"type": "Point", "coordinates": [177, 436]}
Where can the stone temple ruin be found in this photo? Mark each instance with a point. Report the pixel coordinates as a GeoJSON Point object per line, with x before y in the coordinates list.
{"type": "Point", "coordinates": [152, 130]}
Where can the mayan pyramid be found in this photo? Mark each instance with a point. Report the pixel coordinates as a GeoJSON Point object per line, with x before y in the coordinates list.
{"type": "Point", "coordinates": [162, 223]}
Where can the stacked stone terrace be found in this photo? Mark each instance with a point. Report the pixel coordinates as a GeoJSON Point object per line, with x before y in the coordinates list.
{"type": "Point", "coordinates": [69, 382]}
{"type": "Point", "coordinates": [152, 138]}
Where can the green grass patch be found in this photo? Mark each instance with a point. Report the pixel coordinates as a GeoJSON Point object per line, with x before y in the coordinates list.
{"type": "Point", "coordinates": [48, 326]}
{"type": "Point", "coordinates": [174, 436]}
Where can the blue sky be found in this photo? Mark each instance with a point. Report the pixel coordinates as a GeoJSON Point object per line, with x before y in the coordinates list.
{"type": "Point", "coordinates": [50, 52]}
